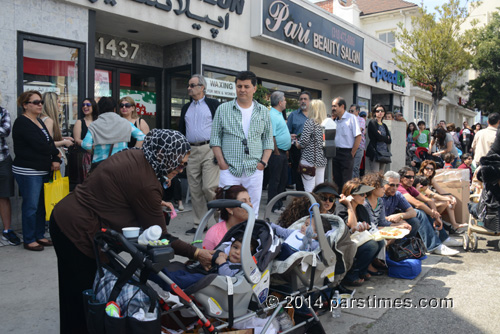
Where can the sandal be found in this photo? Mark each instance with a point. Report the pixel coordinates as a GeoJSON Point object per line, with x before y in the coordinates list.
{"type": "Point", "coordinates": [45, 242]}
{"type": "Point", "coordinates": [35, 248]}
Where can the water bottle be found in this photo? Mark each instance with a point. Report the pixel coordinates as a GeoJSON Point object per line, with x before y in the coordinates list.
{"type": "Point", "coordinates": [284, 320]}
{"type": "Point", "coordinates": [335, 308]}
{"type": "Point", "coordinates": [151, 234]}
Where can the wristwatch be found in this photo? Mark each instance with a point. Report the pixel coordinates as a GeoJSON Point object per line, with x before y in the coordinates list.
{"type": "Point", "coordinates": [262, 162]}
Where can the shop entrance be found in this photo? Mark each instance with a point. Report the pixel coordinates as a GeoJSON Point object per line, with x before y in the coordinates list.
{"type": "Point", "coordinates": [141, 83]}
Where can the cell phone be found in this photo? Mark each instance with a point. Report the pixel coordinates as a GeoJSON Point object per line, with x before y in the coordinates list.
{"type": "Point", "coordinates": [350, 198]}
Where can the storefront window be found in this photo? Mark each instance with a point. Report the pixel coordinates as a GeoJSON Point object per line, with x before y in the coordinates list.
{"type": "Point", "coordinates": [291, 93]}
{"type": "Point", "coordinates": [421, 111]}
{"type": "Point", "coordinates": [53, 68]}
{"type": "Point", "coordinates": [223, 95]}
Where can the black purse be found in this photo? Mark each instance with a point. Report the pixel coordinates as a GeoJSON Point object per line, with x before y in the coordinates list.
{"type": "Point", "coordinates": [408, 248]}
{"type": "Point", "coordinates": [383, 157]}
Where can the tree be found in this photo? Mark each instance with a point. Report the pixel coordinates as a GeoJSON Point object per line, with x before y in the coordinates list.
{"type": "Point", "coordinates": [486, 61]}
{"type": "Point", "coordinates": [433, 52]}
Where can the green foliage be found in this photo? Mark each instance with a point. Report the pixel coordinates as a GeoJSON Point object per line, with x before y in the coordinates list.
{"type": "Point", "coordinates": [262, 95]}
{"type": "Point", "coordinates": [433, 53]}
{"type": "Point", "coordinates": [486, 61]}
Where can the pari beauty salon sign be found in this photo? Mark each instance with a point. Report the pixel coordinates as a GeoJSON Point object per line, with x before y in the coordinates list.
{"type": "Point", "coordinates": [290, 23]}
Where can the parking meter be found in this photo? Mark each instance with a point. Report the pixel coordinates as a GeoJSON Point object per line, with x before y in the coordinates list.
{"type": "Point", "coordinates": [329, 132]}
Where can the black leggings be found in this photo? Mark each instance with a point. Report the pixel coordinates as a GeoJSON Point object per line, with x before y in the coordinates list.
{"type": "Point", "coordinates": [76, 273]}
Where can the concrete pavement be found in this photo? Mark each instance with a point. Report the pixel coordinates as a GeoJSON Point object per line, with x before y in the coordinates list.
{"type": "Point", "coordinates": [29, 298]}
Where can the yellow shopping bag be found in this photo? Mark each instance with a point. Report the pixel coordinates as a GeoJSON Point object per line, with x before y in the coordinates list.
{"type": "Point", "coordinates": [54, 191]}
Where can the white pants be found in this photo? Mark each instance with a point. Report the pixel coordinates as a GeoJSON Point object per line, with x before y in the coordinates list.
{"type": "Point", "coordinates": [311, 181]}
{"type": "Point", "coordinates": [253, 183]}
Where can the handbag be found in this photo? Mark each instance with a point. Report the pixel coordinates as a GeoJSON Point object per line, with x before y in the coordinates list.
{"type": "Point", "coordinates": [309, 170]}
{"type": "Point", "coordinates": [383, 157]}
{"type": "Point", "coordinates": [54, 191]}
{"type": "Point", "coordinates": [409, 248]}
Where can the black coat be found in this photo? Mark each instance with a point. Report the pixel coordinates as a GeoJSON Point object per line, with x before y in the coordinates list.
{"type": "Point", "coordinates": [375, 137]}
{"type": "Point", "coordinates": [212, 105]}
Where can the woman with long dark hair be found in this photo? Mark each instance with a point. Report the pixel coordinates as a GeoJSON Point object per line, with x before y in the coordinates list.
{"type": "Point", "coordinates": [84, 158]}
{"type": "Point", "coordinates": [377, 152]}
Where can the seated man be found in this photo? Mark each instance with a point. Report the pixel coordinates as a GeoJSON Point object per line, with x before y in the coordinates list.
{"type": "Point", "coordinates": [393, 200]}
{"type": "Point", "coordinates": [428, 216]}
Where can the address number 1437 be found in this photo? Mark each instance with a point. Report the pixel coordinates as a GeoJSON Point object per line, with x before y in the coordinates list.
{"type": "Point", "coordinates": [122, 48]}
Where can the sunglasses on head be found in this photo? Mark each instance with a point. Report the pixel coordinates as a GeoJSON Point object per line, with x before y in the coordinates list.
{"type": "Point", "coordinates": [182, 166]}
{"type": "Point", "coordinates": [87, 104]}
{"type": "Point", "coordinates": [330, 199]}
{"type": "Point", "coordinates": [126, 105]}
{"type": "Point", "coordinates": [194, 85]}
{"type": "Point", "coordinates": [245, 143]}
{"type": "Point", "coordinates": [36, 102]}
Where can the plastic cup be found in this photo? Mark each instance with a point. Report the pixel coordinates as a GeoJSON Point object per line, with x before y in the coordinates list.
{"type": "Point", "coordinates": [131, 232]}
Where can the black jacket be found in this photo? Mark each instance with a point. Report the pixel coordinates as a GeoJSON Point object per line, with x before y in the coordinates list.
{"type": "Point", "coordinates": [212, 105]}
{"type": "Point", "coordinates": [31, 146]}
{"type": "Point", "coordinates": [375, 137]}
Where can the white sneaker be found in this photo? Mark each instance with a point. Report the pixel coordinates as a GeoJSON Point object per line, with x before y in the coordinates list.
{"type": "Point", "coordinates": [443, 250]}
{"type": "Point", "coordinates": [450, 242]}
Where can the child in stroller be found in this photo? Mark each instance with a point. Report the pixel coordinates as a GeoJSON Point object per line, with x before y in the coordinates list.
{"type": "Point", "coordinates": [229, 261]}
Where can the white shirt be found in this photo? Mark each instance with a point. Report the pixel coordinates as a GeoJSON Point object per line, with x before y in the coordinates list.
{"type": "Point", "coordinates": [483, 140]}
{"type": "Point", "coordinates": [347, 130]}
{"type": "Point", "coordinates": [198, 121]}
{"type": "Point", "coordinates": [246, 115]}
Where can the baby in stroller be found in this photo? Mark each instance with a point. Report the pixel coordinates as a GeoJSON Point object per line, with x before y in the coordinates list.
{"type": "Point", "coordinates": [303, 239]}
{"type": "Point", "coordinates": [229, 261]}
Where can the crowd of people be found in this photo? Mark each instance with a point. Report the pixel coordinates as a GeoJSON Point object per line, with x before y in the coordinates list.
{"type": "Point", "coordinates": [124, 169]}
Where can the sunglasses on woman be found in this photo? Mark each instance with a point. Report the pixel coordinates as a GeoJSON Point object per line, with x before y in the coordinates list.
{"type": "Point", "coordinates": [429, 168]}
{"type": "Point", "coordinates": [86, 104]}
{"type": "Point", "coordinates": [182, 166]}
{"type": "Point", "coordinates": [330, 199]}
{"type": "Point", "coordinates": [126, 105]}
{"type": "Point", "coordinates": [36, 102]}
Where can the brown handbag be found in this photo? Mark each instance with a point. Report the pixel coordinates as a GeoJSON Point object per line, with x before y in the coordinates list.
{"type": "Point", "coordinates": [307, 170]}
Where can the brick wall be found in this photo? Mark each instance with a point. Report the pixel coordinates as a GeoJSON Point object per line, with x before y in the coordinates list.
{"type": "Point", "coordinates": [326, 5]}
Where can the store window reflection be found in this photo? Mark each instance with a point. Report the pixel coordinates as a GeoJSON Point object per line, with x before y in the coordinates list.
{"type": "Point", "coordinates": [142, 89]}
{"type": "Point", "coordinates": [53, 68]}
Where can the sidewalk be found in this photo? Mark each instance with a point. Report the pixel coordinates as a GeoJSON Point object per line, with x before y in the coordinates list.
{"type": "Point", "coordinates": [29, 297]}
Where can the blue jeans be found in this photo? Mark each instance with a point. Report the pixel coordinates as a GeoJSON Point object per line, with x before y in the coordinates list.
{"type": "Point", "coordinates": [428, 233]}
{"type": "Point", "coordinates": [33, 207]}
{"type": "Point", "coordinates": [365, 255]}
{"type": "Point", "coordinates": [415, 226]}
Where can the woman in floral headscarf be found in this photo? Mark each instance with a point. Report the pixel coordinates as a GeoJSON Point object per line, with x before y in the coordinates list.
{"type": "Point", "coordinates": [125, 191]}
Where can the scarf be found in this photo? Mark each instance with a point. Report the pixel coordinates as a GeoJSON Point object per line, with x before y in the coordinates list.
{"type": "Point", "coordinates": [164, 149]}
{"type": "Point", "coordinates": [110, 128]}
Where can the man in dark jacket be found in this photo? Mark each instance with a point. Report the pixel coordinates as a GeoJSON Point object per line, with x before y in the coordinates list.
{"type": "Point", "coordinates": [196, 124]}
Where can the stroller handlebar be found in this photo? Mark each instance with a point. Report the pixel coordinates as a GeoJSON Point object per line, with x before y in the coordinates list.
{"type": "Point", "coordinates": [224, 203]}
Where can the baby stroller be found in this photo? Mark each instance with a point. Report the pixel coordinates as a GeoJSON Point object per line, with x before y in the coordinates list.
{"type": "Point", "coordinates": [484, 207]}
{"type": "Point", "coordinates": [314, 273]}
{"type": "Point", "coordinates": [256, 274]}
{"type": "Point", "coordinates": [423, 153]}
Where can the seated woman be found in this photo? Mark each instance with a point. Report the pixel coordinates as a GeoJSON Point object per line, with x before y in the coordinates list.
{"type": "Point", "coordinates": [356, 217]}
{"type": "Point", "coordinates": [327, 193]}
{"type": "Point", "coordinates": [230, 217]}
{"type": "Point", "coordinates": [374, 203]}
{"type": "Point", "coordinates": [444, 201]}
{"type": "Point", "coordinates": [298, 208]}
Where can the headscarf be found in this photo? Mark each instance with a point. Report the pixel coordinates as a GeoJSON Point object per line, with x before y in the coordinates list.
{"type": "Point", "coordinates": [164, 150]}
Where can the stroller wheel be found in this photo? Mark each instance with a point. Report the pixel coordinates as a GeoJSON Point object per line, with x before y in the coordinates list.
{"type": "Point", "coordinates": [474, 241]}
{"type": "Point", "coordinates": [466, 242]}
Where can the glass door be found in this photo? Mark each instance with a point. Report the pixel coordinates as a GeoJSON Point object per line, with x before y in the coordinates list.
{"type": "Point", "coordinates": [143, 85]}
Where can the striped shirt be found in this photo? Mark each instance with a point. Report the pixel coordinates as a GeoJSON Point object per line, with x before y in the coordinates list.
{"type": "Point", "coordinates": [377, 215]}
{"type": "Point", "coordinates": [228, 134]}
{"type": "Point", "coordinates": [30, 171]}
{"type": "Point", "coordinates": [311, 142]}
{"type": "Point", "coordinates": [101, 152]}
{"type": "Point", "coordinates": [5, 127]}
